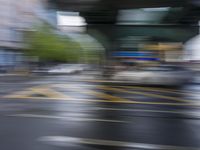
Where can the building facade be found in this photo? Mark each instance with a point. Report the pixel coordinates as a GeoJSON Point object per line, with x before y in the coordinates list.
{"type": "Point", "coordinates": [16, 18]}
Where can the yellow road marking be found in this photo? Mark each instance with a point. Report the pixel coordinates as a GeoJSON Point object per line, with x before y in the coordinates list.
{"type": "Point", "coordinates": [79, 100]}
{"type": "Point", "coordinates": [100, 95]}
{"type": "Point", "coordinates": [49, 92]}
{"type": "Point", "coordinates": [163, 90]}
{"type": "Point", "coordinates": [154, 89]}
{"type": "Point", "coordinates": [106, 88]}
{"type": "Point", "coordinates": [37, 90]}
{"type": "Point", "coordinates": [18, 94]}
{"type": "Point", "coordinates": [54, 95]}
{"type": "Point", "coordinates": [145, 94]}
{"type": "Point", "coordinates": [160, 89]}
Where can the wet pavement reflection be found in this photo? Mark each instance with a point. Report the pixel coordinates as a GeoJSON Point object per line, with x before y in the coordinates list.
{"type": "Point", "coordinates": [98, 116]}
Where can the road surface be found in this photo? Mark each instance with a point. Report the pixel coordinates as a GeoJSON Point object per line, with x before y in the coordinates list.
{"type": "Point", "coordinates": [74, 113]}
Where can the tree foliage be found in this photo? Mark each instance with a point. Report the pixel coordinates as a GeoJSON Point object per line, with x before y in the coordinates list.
{"type": "Point", "coordinates": [49, 46]}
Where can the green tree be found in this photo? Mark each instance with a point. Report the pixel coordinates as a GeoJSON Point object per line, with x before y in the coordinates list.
{"type": "Point", "coordinates": [49, 46]}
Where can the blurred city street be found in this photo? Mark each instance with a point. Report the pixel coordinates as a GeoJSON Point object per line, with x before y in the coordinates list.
{"type": "Point", "coordinates": [100, 75]}
{"type": "Point", "coordinates": [80, 112]}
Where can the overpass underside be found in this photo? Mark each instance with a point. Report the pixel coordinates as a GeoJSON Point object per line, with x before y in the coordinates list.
{"type": "Point", "coordinates": [178, 24]}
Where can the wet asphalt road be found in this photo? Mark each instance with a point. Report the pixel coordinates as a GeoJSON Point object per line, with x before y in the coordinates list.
{"type": "Point", "coordinates": [74, 113]}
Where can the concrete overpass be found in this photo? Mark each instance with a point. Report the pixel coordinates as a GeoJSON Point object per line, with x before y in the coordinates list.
{"type": "Point", "coordinates": [101, 17]}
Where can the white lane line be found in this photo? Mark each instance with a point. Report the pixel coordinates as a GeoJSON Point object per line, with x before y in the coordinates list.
{"type": "Point", "coordinates": [67, 118]}
{"type": "Point", "coordinates": [195, 114]}
{"type": "Point", "coordinates": [149, 110]}
{"type": "Point", "coordinates": [65, 141]}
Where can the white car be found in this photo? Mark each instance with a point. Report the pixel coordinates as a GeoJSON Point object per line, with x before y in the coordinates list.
{"type": "Point", "coordinates": [67, 69]}
{"type": "Point", "coordinates": [161, 75]}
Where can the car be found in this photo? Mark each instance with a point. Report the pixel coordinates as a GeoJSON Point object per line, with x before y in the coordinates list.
{"type": "Point", "coordinates": [67, 69]}
{"type": "Point", "coordinates": [158, 75]}
{"type": "Point", "coordinates": [62, 69]}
